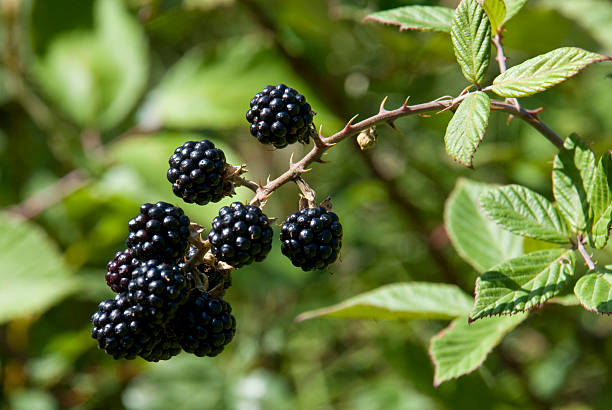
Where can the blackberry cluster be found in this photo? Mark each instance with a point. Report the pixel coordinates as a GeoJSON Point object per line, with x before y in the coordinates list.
{"type": "Point", "coordinates": [197, 171]}
{"type": "Point", "coordinates": [157, 290]}
{"type": "Point", "coordinates": [311, 238]}
{"type": "Point", "coordinates": [159, 232]}
{"type": "Point", "coordinates": [119, 270]}
{"type": "Point", "coordinates": [240, 235]}
{"type": "Point", "coordinates": [204, 325]}
{"type": "Point", "coordinates": [215, 274]}
{"type": "Point", "coordinates": [279, 115]}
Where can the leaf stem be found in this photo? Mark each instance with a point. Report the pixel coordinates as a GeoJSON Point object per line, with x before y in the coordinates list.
{"type": "Point", "coordinates": [585, 254]}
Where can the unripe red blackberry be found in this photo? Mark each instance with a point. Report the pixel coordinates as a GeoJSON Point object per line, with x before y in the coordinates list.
{"type": "Point", "coordinates": [119, 330]}
{"type": "Point", "coordinates": [119, 270]}
{"type": "Point", "coordinates": [279, 115]}
{"type": "Point", "coordinates": [159, 232]}
{"type": "Point", "coordinates": [204, 325]}
{"type": "Point", "coordinates": [197, 173]}
{"type": "Point", "coordinates": [157, 290]}
{"type": "Point", "coordinates": [311, 238]}
{"type": "Point", "coordinates": [240, 235]}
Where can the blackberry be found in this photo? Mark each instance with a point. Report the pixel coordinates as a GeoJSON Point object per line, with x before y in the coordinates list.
{"type": "Point", "coordinates": [119, 331]}
{"type": "Point", "coordinates": [311, 238]}
{"type": "Point", "coordinates": [279, 115]}
{"type": "Point", "coordinates": [119, 270]}
{"type": "Point", "coordinates": [166, 347]}
{"type": "Point", "coordinates": [204, 325]}
{"type": "Point", "coordinates": [197, 171]}
{"type": "Point", "coordinates": [240, 235]}
{"type": "Point", "coordinates": [157, 290]}
{"type": "Point", "coordinates": [160, 232]}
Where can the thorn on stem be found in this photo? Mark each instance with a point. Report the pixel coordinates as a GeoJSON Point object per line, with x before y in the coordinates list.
{"type": "Point", "coordinates": [382, 108]}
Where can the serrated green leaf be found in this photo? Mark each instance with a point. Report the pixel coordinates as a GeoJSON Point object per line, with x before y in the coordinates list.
{"type": "Point", "coordinates": [513, 7]}
{"type": "Point", "coordinates": [477, 239]}
{"type": "Point", "coordinates": [525, 212]}
{"type": "Point", "coordinates": [522, 283]}
{"type": "Point", "coordinates": [573, 172]}
{"type": "Point", "coordinates": [470, 33]}
{"type": "Point", "coordinates": [414, 300]}
{"type": "Point", "coordinates": [544, 71]}
{"type": "Point", "coordinates": [28, 286]}
{"type": "Point", "coordinates": [423, 18]}
{"type": "Point", "coordinates": [594, 291]}
{"type": "Point", "coordinates": [496, 11]}
{"type": "Point", "coordinates": [461, 348]}
{"type": "Point", "coordinates": [467, 127]}
{"type": "Point", "coordinates": [600, 201]}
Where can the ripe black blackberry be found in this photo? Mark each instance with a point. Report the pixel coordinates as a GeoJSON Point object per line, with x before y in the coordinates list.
{"type": "Point", "coordinates": [119, 330]}
{"type": "Point", "coordinates": [119, 270]}
{"type": "Point", "coordinates": [311, 238]}
{"type": "Point", "coordinates": [157, 290]}
{"type": "Point", "coordinates": [165, 347]}
{"type": "Point", "coordinates": [197, 173]}
{"type": "Point", "coordinates": [160, 232]}
{"type": "Point", "coordinates": [204, 325]}
{"type": "Point", "coordinates": [279, 115]}
{"type": "Point", "coordinates": [240, 235]}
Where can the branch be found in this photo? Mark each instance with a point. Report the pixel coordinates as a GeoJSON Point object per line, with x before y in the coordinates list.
{"type": "Point", "coordinates": [501, 61]}
{"type": "Point", "coordinates": [585, 254]}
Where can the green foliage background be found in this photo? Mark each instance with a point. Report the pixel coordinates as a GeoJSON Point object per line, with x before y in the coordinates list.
{"type": "Point", "coordinates": [111, 87]}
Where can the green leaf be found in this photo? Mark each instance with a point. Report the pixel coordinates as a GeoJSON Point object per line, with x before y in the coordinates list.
{"type": "Point", "coordinates": [28, 286]}
{"type": "Point", "coordinates": [423, 18]}
{"type": "Point", "coordinates": [513, 7]}
{"type": "Point", "coordinates": [467, 127]}
{"type": "Point", "coordinates": [525, 212]}
{"type": "Point", "coordinates": [461, 348]}
{"type": "Point", "coordinates": [471, 36]}
{"type": "Point", "coordinates": [594, 291]}
{"type": "Point", "coordinates": [413, 300]}
{"type": "Point", "coordinates": [600, 201]}
{"type": "Point", "coordinates": [522, 283]}
{"type": "Point", "coordinates": [544, 71]}
{"type": "Point", "coordinates": [85, 72]}
{"type": "Point", "coordinates": [496, 10]}
{"type": "Point", "coordinates": [477, 239]}
{"type": "Point", "coordinates": [573, 172]}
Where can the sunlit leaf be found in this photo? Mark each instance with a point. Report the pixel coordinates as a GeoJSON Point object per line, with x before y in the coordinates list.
{"type": "Point", "coordinates": [478, 239]}
{"type": "Point", "coordinates": [594, 291]}
{"type": "Point", "coordinates": [461, 348]}
{"type": "Point", "coordinates": [413, 300]}
{"type": "Point", "coordinates": [496, 10]}
{"type": "Point", "coordinates": [422, 18]}
{"type": "Point", "coordinates": [544, 71]}
{"type": "Point", "coordinates": [467, 127]}
{"type": "Point", "coordinates": [513, 7]}
{"type": "Point", "coordinates": [600, 201]}
{"type": "Point", "coordinates": [471, 36]}
{"type": "Point", "coordinates": [522, 283]}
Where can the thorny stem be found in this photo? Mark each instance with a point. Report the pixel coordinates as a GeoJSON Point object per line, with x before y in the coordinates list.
{"type": "Point", "coordinates": [584, 253]}
{"type": "Point", "coordinates": [389, 116]}
{"type": "Point", "coordinates": [501, 61]}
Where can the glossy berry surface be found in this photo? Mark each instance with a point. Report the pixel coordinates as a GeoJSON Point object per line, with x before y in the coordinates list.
{"type": "Point", "coordinates": [119, 270]}
{"type": "Point", "coordinates": [204, 325]}
{"type": "Point", "coordinates": [157, 290]}
{"type": "Point", "coordinates": [159, 232]}
{"type": "Point", "coordinates": [165, 347]}
{"type": "Point", "coordinates": [240, 235]}
{"type": "Point", "coordinates": [311, 238]}
{"type": "Point", "coordinates": [197, 172]}
{"type": "Point", "coordinates": [119, 331]}
{"type": "Point", "coordinates": [279, 115]}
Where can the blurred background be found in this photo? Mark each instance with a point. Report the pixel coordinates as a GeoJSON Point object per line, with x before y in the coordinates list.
{"type": "Point", "coordinates": [96, 94]}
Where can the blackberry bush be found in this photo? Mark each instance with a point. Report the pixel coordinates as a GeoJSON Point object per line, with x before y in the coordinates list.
{"type": "Point", "coordinates": [240, 235]}
{"type": "Point", "coordinates": [157, 290]}
{"type": "Point", "coordinates": [159, 232]}
{"type": "Point", "coordinates": [119, 270]}
{"type": "Point", "coordinates": [311, 238]}
{"type": "Point", "coordinates": [279, 115]}
{"type": "Point", "coordinates": [119, 331]}
{"type": "Point", "coordinates": [204, 325]}
{"type": "Point", "coordinates": [197, 173]}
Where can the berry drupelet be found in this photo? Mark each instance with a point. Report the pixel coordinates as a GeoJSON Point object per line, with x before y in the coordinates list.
{"type": "Point", "coordinates": [204, 325]}
{"type": "Point", "coordinates": [311, 238]}
{"type": "Point", "coordinates": [119, 270]}
{"type": "Point", "coordinates": [197, 173]}
{"type": "Point", "coordinates": [279, 115]}
{"type": "Point", "coordinates": [160, 232]}
{"type": "Point", "coordinates": [240, 235]}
